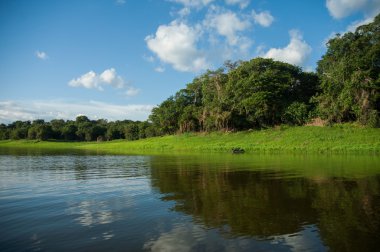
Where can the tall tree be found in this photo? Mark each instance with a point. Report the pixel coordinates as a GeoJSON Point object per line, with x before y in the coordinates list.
{"type": "Point", "coordinates": [350, 76]}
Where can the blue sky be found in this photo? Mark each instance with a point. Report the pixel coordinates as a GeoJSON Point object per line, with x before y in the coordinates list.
{"type": "Point", "coordinates": [116, 59]}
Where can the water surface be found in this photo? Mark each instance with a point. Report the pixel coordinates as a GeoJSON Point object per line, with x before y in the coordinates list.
{"type": "Point", "coordinates": [81, 201]}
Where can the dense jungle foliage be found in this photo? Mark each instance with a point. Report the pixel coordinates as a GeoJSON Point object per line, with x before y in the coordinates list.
{"type": "Point", "coordinates": [259, 93]}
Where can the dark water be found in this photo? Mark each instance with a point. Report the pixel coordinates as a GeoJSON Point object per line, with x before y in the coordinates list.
{"type": "Point", "coordinates": [76, 202]}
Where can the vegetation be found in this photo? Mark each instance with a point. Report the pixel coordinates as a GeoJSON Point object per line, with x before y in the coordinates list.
{"type": "Point", "coordinates": [306, 139]}
{"type": "Point", "coordinates": [82, 129]}
{"type": "Point", "coordinates": [263, 93]}
{"type": "Point", "coordinates": [256, 94]}
{"type": "Point", "coordinates": [349, 73]}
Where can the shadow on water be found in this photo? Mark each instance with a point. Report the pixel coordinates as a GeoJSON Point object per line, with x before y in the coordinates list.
{"type": "Point", "coordinates": [43, 152]}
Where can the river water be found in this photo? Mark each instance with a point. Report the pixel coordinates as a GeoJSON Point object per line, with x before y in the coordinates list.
{"type": "Point", "coordinates": [70, 201]}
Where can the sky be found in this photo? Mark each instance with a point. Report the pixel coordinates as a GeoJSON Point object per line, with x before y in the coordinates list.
{"type": "Point", "coordinates": [117, 59]}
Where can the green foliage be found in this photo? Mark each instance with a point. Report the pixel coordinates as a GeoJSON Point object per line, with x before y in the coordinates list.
{"type": "Point", "coordinates": [131, 132]}
{"type": "Point", "coordinates": [350, 76]}
{"type": "Point", "coordinates": [252, 94]}
{"type": "Point", "coordinates": [296, 113]}
{"type": "Point", "coordinates": [68, 131]}
{"type": "Point", "coordinates": [82, 129]}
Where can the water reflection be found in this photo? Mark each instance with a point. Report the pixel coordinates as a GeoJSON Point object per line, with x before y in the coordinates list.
{"type": "Point", "coordinates": [193, 237]}
{"type": "Point", "coordinates": [75, 202]}
{"type": "Point", "coordinates": [343, 213]}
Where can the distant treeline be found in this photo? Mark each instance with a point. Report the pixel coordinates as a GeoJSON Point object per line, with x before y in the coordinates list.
{"type": "Point", "coordinates": [252, 94]}
{"type": "Point", "coordinates": [82, 129]}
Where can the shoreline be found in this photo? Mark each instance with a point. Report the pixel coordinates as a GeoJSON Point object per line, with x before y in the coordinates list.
{"type": "Point", "coordinates": [338, 139]}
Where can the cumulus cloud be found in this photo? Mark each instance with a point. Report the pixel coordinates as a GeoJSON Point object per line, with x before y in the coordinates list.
{"type": "Point", "coordinates": [41, 55]}
{"type": "Point", "coordinates": [227, 24]}
{"type": "Point", "coordinates": [97, 81]}
{"type": "Point", "coordinates": [193, 3]}
{"type": "Point", "coordinates": [176, 44]}
{"type": "Point", "coordinates": [11, 111]}
{"type": "Point", "coordinates": [342, 8]}
{"type": "Point", "coordinates": [263, 18]}
{"type": "Point", "coordinates": [242, 3]}
{"type": "Point", "coordinates": [296, 52]}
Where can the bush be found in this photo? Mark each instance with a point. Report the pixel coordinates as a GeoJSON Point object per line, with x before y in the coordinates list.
{"type": "Point", "coordinates": [296, 113]}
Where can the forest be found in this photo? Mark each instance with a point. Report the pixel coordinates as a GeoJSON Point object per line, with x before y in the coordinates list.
{"type": "Point", "coordinates": [243, 95]}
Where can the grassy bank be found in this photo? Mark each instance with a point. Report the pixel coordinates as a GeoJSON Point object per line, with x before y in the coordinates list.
{"type": "Point", "coordinates": [336, 139]}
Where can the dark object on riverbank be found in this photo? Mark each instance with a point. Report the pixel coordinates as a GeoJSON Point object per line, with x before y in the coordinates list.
{"type": "Point", "coordinates": [237, 150]}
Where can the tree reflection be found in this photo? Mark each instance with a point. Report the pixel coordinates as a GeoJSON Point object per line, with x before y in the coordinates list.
{"type": "Point", "coordinates": [268, 203]}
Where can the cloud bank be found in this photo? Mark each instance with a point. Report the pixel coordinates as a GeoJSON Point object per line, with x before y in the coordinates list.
{"type": "Point", "coordinates": [11, 111]}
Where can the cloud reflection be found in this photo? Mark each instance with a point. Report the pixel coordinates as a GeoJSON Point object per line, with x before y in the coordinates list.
{"type": "Point", "coordinates": [194, 237]}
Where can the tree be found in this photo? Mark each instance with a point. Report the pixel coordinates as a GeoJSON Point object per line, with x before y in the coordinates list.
{"type": "Point", "coordinates": [165, 116]}
{"type": "Point", "coordinates": [69, 131]}
{"type": "Point", "coordinates": [57, 126]}
{"type": "Point", "coordinates": [19, 130]}
{"type": "Point", "coordinates": [350, 76]}
{"type": "Point", "coordinates": [131, 131]}
{"type": "Point", "coordinates": [4, 132]}
{"type": "Point", "coordinates": [114, 131]}
{"type": "Point", "coordinates": [262, 89]}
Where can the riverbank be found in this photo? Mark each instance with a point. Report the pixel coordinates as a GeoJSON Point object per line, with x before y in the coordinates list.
{"type": "Point", "coordinates": [344, 138]}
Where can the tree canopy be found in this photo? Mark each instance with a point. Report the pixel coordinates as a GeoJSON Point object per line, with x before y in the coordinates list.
{"type": "Point", "coordinates": [349, 76]}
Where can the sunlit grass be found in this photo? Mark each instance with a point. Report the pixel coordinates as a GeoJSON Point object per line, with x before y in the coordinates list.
{"type": "Point", "coordinates": [345, 138]}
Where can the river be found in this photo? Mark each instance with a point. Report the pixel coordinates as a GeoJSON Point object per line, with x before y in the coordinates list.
{"type": "Point", "coordinates": [73, 201]}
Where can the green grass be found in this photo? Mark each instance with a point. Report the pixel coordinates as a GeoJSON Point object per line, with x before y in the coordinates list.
{"type": "Point", "coordinates": [344, 138]}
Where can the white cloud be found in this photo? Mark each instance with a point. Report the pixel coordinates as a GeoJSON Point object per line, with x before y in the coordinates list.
{"type": "Point", "coordinates": [343, 8]}
{"type": "Point", "coordinates": [110, 77]}
{"type": "Point", "coordinates": [11, 111]}
{"type": "Point", "coordinates": [193, 3]}
{"type": "Point", "coordinates": [87, 80]}
{"type": "Point", "coordinates": [131, 91]}
{"type": "Point", "coordinates": [352, 27]}
{"type": "Point", "coordinates": [176, 44]}
{"type": "Point", "coordinates": [370, 11]}
{"type": "Point", "coordinates": [41, 55]}
{"type": "Point", "coordinates": [242, 3]}
{"type": "Point", "coordinates": [296, 52]}
{"type": "Point", "coordinates": [159, 69]}
{"type": "Point", "coordinates": [97, 81]}
{"type": "Point", "coordinates": [263, 18]}
{"type": "Point", "coordinates": [227, 24]}
{"type": "Point", "coordinates": [184, 12]}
